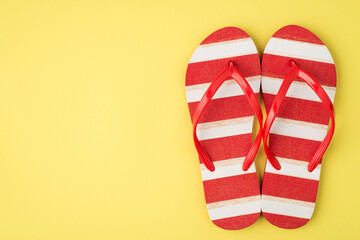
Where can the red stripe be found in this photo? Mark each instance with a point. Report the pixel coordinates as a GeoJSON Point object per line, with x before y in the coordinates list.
{"type": "Point", "coordinates": [234, 187]}
{"type": "Point", "coordinates": [225, 34]}
{"type": "Point", "coordinates": [289, 187]}
{"type": "Point", "coordinates": [228, 147]}
{"type": "Point", "coordinates": [299, 109]}
{"type": "Point", "coordinates": [238, 222]}
{"type": "Point", "coordinates": [224, 108]}
{"type": "Point", "coordinates": [278, 66]}
{"type": "Point", "coordinates": [297, 33]}
{"type": "Point", "coordinates": [205, 72]}
{"type": "Point", "coordinates": [293, 148]}
{"type": "Point", "coordinates": [285, 221]}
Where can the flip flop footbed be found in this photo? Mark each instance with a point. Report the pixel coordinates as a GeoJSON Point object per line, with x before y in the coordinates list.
{"type": "Point", "coordinates": [289, 194]}
{"type": "Point", "coordinates": [225, 127]}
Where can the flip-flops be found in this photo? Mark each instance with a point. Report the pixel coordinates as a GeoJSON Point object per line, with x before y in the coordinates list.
{"type": "Point", "coordinates": [222, 86]}
{"type": "Point", "coordinates": [298, 135]}
{"type": "Point", "coordinates": [298, 80]}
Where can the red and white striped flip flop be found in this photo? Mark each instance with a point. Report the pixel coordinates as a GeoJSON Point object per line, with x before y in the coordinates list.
{"type": "Point", "coordinates": [298, 85]}
{"type": "Point", "coordinates": [222, 87]}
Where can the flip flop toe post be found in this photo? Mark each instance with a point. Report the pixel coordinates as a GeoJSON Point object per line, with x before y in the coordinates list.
{"type": "Point", "coordinates": [298, 74]}
{"type": "Point", "coordinates": [224, 65]}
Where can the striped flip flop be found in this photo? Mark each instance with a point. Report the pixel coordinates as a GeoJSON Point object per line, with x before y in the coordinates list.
{"type": "Point", "coordinates": [222, 87]}
{"type": "Point", "coordinates": [298, 85]}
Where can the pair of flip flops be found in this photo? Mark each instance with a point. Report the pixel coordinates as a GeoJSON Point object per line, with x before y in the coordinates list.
{"type": "Point", "coordinates": [298, 80]}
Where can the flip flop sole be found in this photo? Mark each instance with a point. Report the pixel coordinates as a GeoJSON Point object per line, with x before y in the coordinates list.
{"type": "Point", "coordinates": [289, 194]}
{"type": "Point", "coordinates": [225, 128]}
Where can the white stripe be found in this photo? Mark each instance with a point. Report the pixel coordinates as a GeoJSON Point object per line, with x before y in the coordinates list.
{"type": "Point", "coordinates": [294, 168]}
{"type": "Point", "coordinates": [297, 89]}
{"type": "Point", "coordinates": [299, 129]}
{"type": "Point", "coordinates": [229, 88]}
{"type": "Point", "coordinates": [225, 49]}
{"type": "Point", "coordinates": [234, 209]}
{"type": "Point", "coordinates": [224, 128]}
{"type": "Point", "coordinates": [297, 49]}
{"type": "Point", "coordinates": [226, 168]}
{"type": "Point", "coordinates": [283, 206]}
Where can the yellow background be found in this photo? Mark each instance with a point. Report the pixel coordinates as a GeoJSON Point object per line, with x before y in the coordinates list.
{"type": "Point", "coordinates": [95, 135]}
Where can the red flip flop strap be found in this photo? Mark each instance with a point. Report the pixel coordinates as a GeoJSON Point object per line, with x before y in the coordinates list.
{"type": "Point", "coordinates": [214, 86]}
{"type": "Point", "coordinates": [316, 87]}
